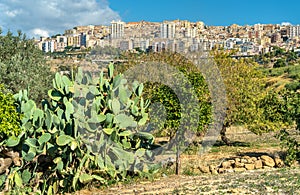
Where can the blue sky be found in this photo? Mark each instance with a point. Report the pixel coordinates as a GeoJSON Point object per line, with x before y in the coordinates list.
{"type": "Point", "coordinates": [49, 17]}
{"type": "Point", "coordinates": [211, 12]}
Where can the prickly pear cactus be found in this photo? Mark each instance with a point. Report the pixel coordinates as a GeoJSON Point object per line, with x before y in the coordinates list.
{"type": "Point", "coordinates": [89, 130]}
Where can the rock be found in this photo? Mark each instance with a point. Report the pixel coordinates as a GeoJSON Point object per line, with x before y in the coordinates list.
{"type": "Point", "coordinates": [246, 157]}
{"type": "Point", "coordinates": [212, 167]}
{"type": "Point", "coordinates": [239, 169]}
{"type": "Point", "coordinates": [12, 154]}
{"type": "Point", "coordinates": [214, 172]}
{"type": "Point", "coordinates": [17, 161]}
{"type": "Point", "coordinates": [221, 170]}
{"type": "Point", "coordinates": [244, 160]}
{"type": "Point", "coordinates": [232, 161]}
{"type": "Point", "coordinates": [204, 169]}
{"type": "Point", "coordinates": [258, 164]}
{"type": "Point", "coordinates": [15, 156]}
{"type": "Point", "coordinates": [278, 162]}
{"type": "Point", "coordinates": [253, 159]}
{"type": "Point", "coordinates": [239, 165]}
{"type": "Point", "coordinates": [249, 166]}
{"type": "Point", "coordinates": [267, 161]}
{"type": "Point", "coordinates": [229, 170]}
{"type": "Point", "coordinates": [237, 160]}
{"type": "Point", "coordinates": [226, 165]}
{"type": "Point", "coordinates": [266, 167]}
{"type": "Point", "coordinates": [5, 164]}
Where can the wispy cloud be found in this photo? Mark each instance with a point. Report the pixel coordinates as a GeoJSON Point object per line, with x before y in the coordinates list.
{"type": "Point", "coordinates": [47, 17]}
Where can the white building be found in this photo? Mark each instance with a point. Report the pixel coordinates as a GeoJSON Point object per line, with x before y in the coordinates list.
{"type": "Point", "coordinates": [293, 31]}
{"type": "Point", "coordinates": [48, 46]}
{"type": "Point", "coordinates": [117, 29]}
{"type": "Point", "coordinates": [167, 30]}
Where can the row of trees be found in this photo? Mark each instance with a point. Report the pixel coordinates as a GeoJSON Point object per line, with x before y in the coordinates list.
{"type": "Point", "coordinates": [250, 102]}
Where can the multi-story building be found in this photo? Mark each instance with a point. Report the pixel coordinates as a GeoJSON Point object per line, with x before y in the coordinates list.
{"type": "Point", "coordinates": [61, 42]}
{"type": "Point", "coordinates": [293, 31]}
{"type": "Point", "coordinates": [117, 29]}
{"type": "Point", "coordinates": [177, 36]}
{"type": "Point", "coordinates": [167, 30]}
{"type": "Point", "coordinates": [48, 46]}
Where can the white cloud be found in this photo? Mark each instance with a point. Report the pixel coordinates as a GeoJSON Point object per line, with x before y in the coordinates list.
{"type": "Point", "coordinates": [13, 13]}
{"type": "Point", "coordinates": [286, 24]}
{"type": "Point", "coordinates": [39, 32]}
{"type": "Point", "coordinates": [53, 16]}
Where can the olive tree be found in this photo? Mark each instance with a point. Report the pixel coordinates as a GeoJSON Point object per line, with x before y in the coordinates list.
{"type": "Point", "coordinates": [23, 65]}
{"type": "Point", "coordinates": [249, 101]}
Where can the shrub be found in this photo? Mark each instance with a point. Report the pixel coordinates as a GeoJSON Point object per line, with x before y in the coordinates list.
{"type": "Point", "coordinates": [280, 63]}
{"type": "Point", "coordinates": [9, 117]}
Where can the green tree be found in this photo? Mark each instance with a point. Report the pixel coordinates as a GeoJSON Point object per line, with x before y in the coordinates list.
{"type": "Point", "coordinates": [279, 63]}
{"type": "Point", "coordinates": [244, 90]}
{"type": "Point", "coordinates": [22, 65]}
{"type": "Point", "coordinates": [157, 92]}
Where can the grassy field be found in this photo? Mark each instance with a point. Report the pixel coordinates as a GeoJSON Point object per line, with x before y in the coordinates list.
{"type": "Point", "coordinates": [284, 180]}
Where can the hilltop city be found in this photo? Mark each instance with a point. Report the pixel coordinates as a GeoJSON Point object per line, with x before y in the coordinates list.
{"type": "Point", "coordinates": [176, 36]}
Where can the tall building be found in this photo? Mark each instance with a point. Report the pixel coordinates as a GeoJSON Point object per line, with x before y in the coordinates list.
{"type": "Point", "coordinates": [293, 31]}
{"type": "Point", "coordinates": [167, 30]}
{"type": "Point", "coordinates": [117, 29]}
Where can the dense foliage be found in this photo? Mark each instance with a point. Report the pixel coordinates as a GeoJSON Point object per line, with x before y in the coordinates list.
{"type": "Point", "coordinates": [9, 117]}
{"type": "Point", "coordinates": [163, 94]}
{"type": "Point", "coordinates": [277, 57]}
{"type": "Point", "coordinates": [89, 131]}
{"type": "Point", "coordinates": [22, 66]}
{"type": "Point", "coordinates": [244, 89]}
{"type": "Point", "coordinates": [288, 137]}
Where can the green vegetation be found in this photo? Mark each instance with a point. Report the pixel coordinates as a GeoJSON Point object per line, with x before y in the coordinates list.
{"type": "Point", "coordinates": [9, 117]}
{"type": "Point", "coordinates": [244, 90]}
{"type": "Point", "coordinates": [284, 77]}
{"type": "Point", "coordinates": [278, 57]}
{"type": "Point", "coordinates": [158, 92]}
{"type": "Point", "coordinates": [55, 144]}
{"type": "Point", "coordinates": [22, 66]}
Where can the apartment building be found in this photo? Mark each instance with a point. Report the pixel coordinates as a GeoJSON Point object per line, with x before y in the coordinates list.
{"type": "Point", "coordinates": [293, 31]}
{"type": "Point", "coordinates": [117, 29]}
{"type": "Point", "coordinates": [167, 30]}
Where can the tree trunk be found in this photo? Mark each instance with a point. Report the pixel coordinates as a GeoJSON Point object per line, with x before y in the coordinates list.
{"type": "Point", "coordinates": [177, 168]}
{"type": "Point", "coordinates": [223, 136]}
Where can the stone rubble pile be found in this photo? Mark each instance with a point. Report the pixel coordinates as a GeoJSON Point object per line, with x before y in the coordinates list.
{"type": "Point", "coordinates": [240, 164]}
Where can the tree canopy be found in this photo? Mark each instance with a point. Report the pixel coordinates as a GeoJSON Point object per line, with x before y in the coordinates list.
{"type": "Point", "coordinates": [163, 94]}
{"type": "Point", "coordinates": [23, 66]}
{"type": "Point", "coordinates": [249, 102]}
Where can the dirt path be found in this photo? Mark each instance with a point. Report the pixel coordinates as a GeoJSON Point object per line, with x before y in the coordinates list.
{"type": "Point", "coordinates": [273, 181]}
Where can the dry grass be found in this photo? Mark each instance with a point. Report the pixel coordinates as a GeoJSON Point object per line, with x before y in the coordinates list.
{"type": "Point", "coordinates": [264, 181]}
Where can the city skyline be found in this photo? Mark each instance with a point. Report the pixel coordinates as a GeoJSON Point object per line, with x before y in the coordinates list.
{"type": "Point", "coordinates": [213, 13]}
{"type": "Point", "coordinates": [46, 18]}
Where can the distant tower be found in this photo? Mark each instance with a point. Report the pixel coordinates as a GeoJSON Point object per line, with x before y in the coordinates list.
{"type": "Point", "coordinates": [167, 30]}
{"type": "Point", "coordinates": [117, 29]}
